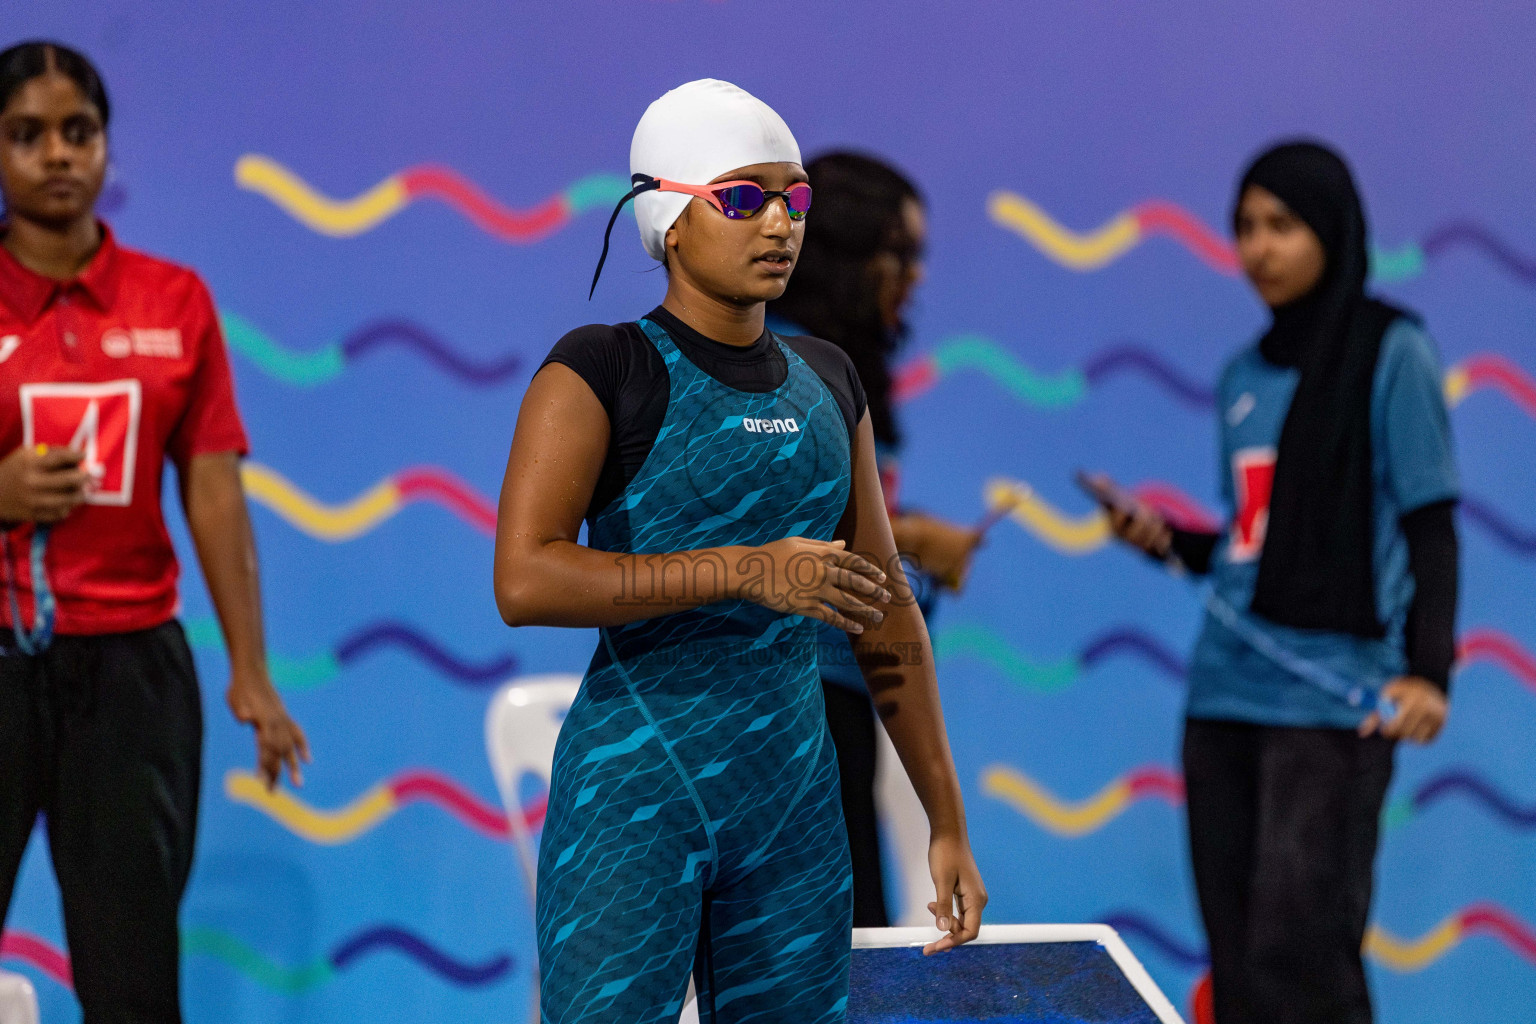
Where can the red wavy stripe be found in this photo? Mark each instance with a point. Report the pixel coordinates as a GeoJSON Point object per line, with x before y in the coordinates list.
{"type": "Point", "coordinates": [1158, 216]}
{"type": "Point", "coordinates": [913, 378]}
{"type": "Point", "coordinates": [1179, 508]}
{"type": "Point", "coordinates": [492, 821]}
{"type": "Point", "coordinates": [1494, 919]}
{"type": "Point", "coordinates": [1498, 372]}
{"type": "Point", "coordinates": [40, 954]}
{"type": "Point", "coordinates": [432, 484]}
{"type": "Point", "coordinates": [507, 224]}
{"type": "Point", "coordinates": [1155, 781]}
{"type": "Point", "coordinates": [1500, 648]}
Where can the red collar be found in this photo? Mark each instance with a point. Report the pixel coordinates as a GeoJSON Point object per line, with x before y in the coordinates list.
{"type": "Point", "coordinates": [29, 294]}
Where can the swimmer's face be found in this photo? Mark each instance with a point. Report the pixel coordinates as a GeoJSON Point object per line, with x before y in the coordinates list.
{"type": "Point", "coordinates": [741, 262]}
{"type": "Point", "coordinates": [1280, 253]}
{"type": "Point", "coordinates": [53, 151]}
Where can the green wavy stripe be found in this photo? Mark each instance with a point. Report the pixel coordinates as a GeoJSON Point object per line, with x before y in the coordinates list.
{"type": "Point", "coordinates": [984, 645]}
{"type": "Point", "coordinates": [973, 352]}
{"type": "Point", "coordinates": [247, 961]}
{"type": "Point", "coordinates": [1400, 264]}
{"type": "Point", "coordinates": [291, 674]}
{"type": "Point", "coordinates": [304, 369]}
{"type": "Point", "coordinates": [1398, 812]}
{"type": "Point", "coordinates": [595, 190]}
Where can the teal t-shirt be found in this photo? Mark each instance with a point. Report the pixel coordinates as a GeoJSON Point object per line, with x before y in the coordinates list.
{"type": "Point", "coordinates": [1412, 465]}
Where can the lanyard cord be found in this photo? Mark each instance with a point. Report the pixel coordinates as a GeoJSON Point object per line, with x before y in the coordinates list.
{"type": "Point", "coordinates": [1350, 692]}
{"type": "Point", "coordinates": [40, 636]}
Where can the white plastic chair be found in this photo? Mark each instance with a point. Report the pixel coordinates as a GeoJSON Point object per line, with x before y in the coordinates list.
{"type": "Point", "coordinates": [521, 727]}
{"type": "Point", "coordinates": [18, 1000]}
{"type": "Point", "coordinates": [904, 825]}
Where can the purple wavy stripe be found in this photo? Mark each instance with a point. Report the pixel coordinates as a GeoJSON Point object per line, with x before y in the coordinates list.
{"type": "Point", "coordinates": [1133, 641]}
{"type": "Point", "coordinates": [1467, 232]}
{"type": "Point", "coordinates": [417, 949]}
{"type": "Point", "coordinates": [382, 634]}
{"type": "Point", "coordinates": [1511, 536]}
{"type": "Point", "coordinates": [1481, 791]}
{"type": "Point", "coordinates": [413, 336]}
{"type": "Point", "coordinates": [1137, 357]}
{"type": "Point", "coordinates": [1134, 924]}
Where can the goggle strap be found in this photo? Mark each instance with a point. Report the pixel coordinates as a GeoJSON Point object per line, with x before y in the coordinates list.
{"type": "Point", "coordinates": [641, 183]}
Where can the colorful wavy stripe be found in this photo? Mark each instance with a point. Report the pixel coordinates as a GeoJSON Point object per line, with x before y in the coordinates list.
{"type": "Point", "coordinates": [1086, 533]}
{"type": "Point", "coordinates": [41, 954]}
{"type": "Point", "coordinates": [361, 514]}
{"type": "Point", "coordinates": [1066, 388]}
{"type": "Point", "coordinates": [299, 674]}
{"type": "Point", "coordinates": [309, 369]}
{"type": "Point", "coordinates": [1398, 954]}
{"type": "Point", "coordinates": [1080, 535]}
{"type": "Point", "coordinates": [344, 218]}
{"type": "Point", "coordinates": [1053, 676]}
{"type": "Point", "coordinates": [1499, 648]}
{"type": "Point", "coordinates": [983, 644]}
{"type": "Point", "coordinates": [1491, 370]}
{"type": "Point", "coordinates": [1516, 538]}
{"type": "Point", "coordinates": [1078, 818]}
{"type": "Point", "coordinates": [54, 962]}
{"type": "Point", "coordinates": [368, 811]}
{"type": "Point", "coordinates": [1098, 248]}
{"type": "Point", "coordinates": [1466, 783]}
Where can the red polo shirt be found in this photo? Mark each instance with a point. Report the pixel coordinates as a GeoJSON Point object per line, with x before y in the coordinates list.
{"type": "Point", "coordinates": [127, 364]}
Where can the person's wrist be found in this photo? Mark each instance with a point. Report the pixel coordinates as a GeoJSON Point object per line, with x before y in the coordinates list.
{"type": "Point", "coordinates": [250, 675]}
{"type": "Point", "coordinates": [738, 563]}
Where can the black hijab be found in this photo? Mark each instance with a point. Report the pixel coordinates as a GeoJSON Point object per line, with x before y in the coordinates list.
{"type": "Point", "coordinates": [1316, 571]}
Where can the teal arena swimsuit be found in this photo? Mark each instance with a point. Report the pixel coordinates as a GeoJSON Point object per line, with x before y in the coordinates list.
{"type": "Point", "coordinates": [694, 815]}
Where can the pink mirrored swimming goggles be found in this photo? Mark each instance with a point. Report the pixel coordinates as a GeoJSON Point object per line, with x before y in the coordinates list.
{"type": "Point", "coordinates": [738, 200]}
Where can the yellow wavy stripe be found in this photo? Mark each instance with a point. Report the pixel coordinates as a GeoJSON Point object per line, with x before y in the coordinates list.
{"type": "Point", "coordinates": [1457, 384]}
{"type": "Point", "coordinates": [326, 522]}
{"type": "Point", "coordinates": [1068, 535]}
{"type": "Point", "coordinates": [327, 827]}
{"type": "Point", "coordinates": [340, 218]}
{"type": "Point", "coordinates": [1088, 251]}
{"type": "Point", "coordinates": [1066, 819]}
{"type": "Point", "coordinates": [1416, 954]}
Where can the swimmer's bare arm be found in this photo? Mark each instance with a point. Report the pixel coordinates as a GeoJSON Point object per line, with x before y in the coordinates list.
{"type": "Point", "coordinates": [543, 577]}
{"type": "Point", "coordinates": [896, 658]}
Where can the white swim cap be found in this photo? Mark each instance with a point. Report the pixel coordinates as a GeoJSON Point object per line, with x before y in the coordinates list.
{"type": "Point", "coordinates": [696, 133]}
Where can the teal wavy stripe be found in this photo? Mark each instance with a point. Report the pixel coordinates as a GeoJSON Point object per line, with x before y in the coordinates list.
{"type": "Point", "coordinates": [984, 645]}
{"type": "Point", "coordinates": [293, 675]}
{"type": "Point", "coordinates": [973, 352]}
{"type": "Point", "coordinates": [289, 980]}
{"type": "Point", "coordinates": [595, 190]}
{"type": "Point", "coordinates": [303, 369]}
{"type": "Point", "coordinates": [1400, 264]}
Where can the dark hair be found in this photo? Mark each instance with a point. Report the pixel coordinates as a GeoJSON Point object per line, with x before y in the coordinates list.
{"type": "Point", "coordinates": [856, 216]}
{"type": "Point", "coordinates": [25, 61]}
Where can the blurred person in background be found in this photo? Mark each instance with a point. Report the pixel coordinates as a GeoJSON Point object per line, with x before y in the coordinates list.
{"type": "Point", "coordinates": [1340, 564]}
{"type": "Point", "coordinates": [111, 362]}
{"type": "Point", "coordinates": [860, 263]}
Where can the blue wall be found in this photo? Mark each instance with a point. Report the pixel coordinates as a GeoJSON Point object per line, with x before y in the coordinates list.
{"type": "Point", "coordinates": [1086, 110]}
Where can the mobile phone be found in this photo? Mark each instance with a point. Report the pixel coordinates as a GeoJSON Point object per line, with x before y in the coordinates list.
{"type": "Point", "coordinates": [1107, 493]}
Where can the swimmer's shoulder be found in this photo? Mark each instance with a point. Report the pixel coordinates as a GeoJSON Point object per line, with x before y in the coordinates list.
{"type": "Point", "coordinates": [606, 356]}
{"type": "Point", "coordinates": [835, 369]}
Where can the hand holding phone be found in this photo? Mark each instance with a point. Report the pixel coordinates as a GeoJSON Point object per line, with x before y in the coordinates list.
{"type": "Point", "coordinates": [1131, 519]}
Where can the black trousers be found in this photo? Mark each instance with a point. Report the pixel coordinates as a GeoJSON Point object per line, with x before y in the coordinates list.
{"type": "Point", "coordinates": [1282, 833]}
{"type": "Point", "coordinates": [103, 735]}
{"type": "Point", "coordinates": [851, 720]}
